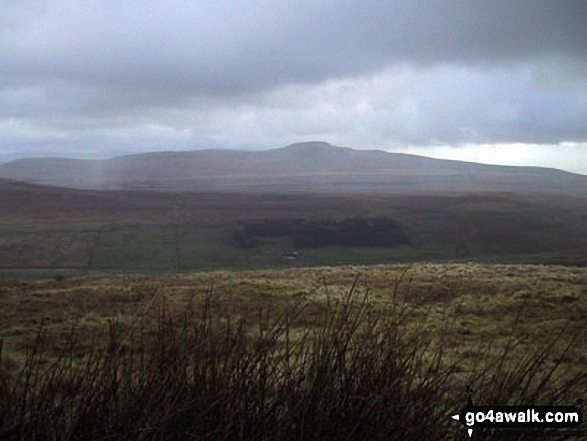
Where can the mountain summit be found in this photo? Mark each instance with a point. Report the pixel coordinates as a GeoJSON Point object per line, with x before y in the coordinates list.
{"type": "Point", "coordinates": [308, 166]}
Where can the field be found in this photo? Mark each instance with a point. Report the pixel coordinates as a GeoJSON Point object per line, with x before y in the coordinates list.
{"type": "Point", "coordinates": [308, 316]}
{"type": "Point", "coordinates": [46, 231]}
{"type": "Point", "coordinates": [513, 333]}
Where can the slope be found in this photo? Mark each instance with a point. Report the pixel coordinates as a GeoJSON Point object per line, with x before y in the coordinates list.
{"type": "Point", "coordinates": [315, 166]}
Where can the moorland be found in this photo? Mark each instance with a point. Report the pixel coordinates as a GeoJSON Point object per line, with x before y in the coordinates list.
{"type": "Point", "coordinates": [49, 230]}
{"type": "Point", "coordinates": [351, 352]}
{"type": "Point", "coordinates": [298, 309]}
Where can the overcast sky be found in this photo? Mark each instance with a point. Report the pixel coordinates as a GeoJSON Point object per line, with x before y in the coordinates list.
{"type": "Point", "coordinates": [498, 81]}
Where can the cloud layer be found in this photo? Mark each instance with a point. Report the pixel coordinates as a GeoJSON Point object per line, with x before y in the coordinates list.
{"type": "Point", "coordinates": [101, 76]}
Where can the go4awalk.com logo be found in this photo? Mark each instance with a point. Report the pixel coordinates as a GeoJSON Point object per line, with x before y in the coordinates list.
{"type": "Point", "coordinates": [510, 417]}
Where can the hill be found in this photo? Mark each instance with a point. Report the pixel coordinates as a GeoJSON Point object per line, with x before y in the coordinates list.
{"type": "Point", "coordinates": [47, 230]}
{"type": "Point", "coordinates": [315, 166]}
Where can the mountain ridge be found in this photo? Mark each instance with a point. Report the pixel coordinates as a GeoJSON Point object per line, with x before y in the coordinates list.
{"type": "Point", "coordinates": [301, 166]}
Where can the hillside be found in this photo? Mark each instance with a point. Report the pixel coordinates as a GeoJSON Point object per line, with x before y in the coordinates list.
{"type": "Point", "coordinates": [315, 166]}
{"type": "Point", "coordinates": [47, 230]}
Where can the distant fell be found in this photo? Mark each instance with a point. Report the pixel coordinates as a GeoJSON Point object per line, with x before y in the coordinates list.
{"type": "Point", "coordinates": [309, 166]}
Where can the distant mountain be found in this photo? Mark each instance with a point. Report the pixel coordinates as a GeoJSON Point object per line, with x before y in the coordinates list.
{"type": "Point", "coordinates": [314, 166]}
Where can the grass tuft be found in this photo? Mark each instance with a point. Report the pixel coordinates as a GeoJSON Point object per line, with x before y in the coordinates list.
{"type": "Point", "coordinates": [356, 373]}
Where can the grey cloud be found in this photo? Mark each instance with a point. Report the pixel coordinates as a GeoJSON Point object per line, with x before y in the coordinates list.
{"type": "Point", "coordinates": [154, 75]}
{"type": "Point", "coordinates": [232, 46]}
{"type": "Point", "coordinates": [442, 105]}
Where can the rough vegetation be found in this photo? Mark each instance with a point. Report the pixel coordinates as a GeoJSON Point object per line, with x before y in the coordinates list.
{"type": "Point", "coordinates": [381, 352]}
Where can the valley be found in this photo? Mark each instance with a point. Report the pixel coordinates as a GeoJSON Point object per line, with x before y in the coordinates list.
{"type": "Point", "coordinates": [49, 230]}
{"type": "Point", "coordinates": [331, 289]}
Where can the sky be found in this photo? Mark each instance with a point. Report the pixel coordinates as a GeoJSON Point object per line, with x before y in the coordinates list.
{"type": "Point", "coordinates": [495, 81]}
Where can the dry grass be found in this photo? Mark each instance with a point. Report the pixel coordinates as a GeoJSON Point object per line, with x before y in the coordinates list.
{"type": "Point", "coordinates": [381, 352]}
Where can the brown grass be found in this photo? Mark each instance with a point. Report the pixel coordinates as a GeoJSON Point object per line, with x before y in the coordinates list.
{"type": "Point", "coordinates": [380, 352]}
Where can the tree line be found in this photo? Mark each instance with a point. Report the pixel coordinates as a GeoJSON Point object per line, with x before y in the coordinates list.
{"type": "Point", "coordinates": [354, 232]}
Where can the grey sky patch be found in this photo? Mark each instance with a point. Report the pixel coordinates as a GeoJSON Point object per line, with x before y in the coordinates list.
{"type": "Point", "coordinates": [133, 76]}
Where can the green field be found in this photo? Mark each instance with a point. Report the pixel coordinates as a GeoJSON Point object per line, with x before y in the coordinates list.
{"type": "Point", "coordinates": [155, 232]}
{"type": "Point", "coordinates": [153, 247]}
{"type": "Point", "coordinates": [137, 247]}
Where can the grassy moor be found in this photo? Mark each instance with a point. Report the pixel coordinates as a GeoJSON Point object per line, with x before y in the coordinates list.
{"type": "Point", "coordinates": [256, 220]}
{"type": "Point", "coordinates": [50, 230]}
{"type": "Point", "coordinates": [370, 313]}
{"type": "Point", "coordinates": [377, 352]}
